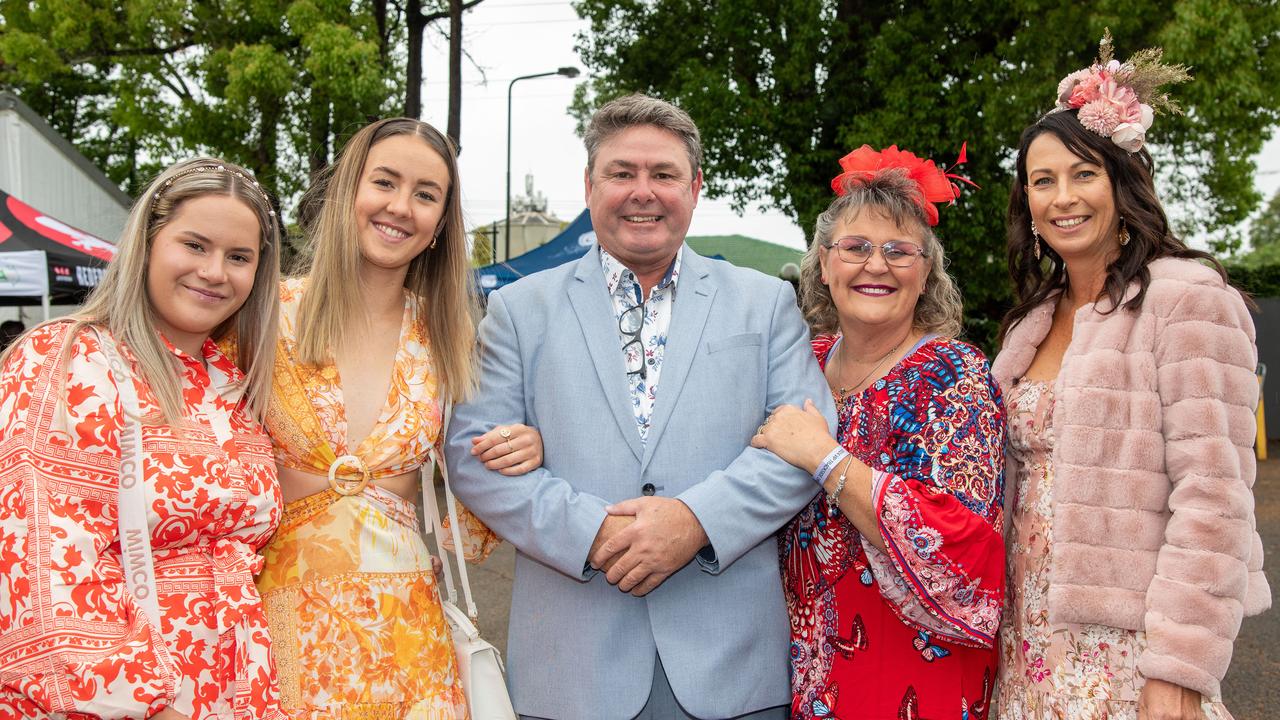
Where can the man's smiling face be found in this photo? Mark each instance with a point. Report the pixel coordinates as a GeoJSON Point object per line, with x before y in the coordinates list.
{"type": "Point", "coordinates": [641, 192]}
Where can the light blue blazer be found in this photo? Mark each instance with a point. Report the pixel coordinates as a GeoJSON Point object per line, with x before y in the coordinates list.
{"type": "Point", "coordinates": [737, 348]}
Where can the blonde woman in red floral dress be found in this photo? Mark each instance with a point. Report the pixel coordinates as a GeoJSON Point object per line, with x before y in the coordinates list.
{"type": "Point", "coordinates": [198, 260]}
{"type": "Point", "coordinates": [894, 575]}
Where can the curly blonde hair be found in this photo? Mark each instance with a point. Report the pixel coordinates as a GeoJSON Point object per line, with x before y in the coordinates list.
{"type": "Point", "coordinates": [896, 196]}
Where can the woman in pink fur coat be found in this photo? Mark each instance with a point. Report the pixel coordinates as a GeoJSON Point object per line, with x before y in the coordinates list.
{"type": "Point", "coordinates": [1128, 373]}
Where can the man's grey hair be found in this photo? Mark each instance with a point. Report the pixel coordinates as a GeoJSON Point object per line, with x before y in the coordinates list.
{"type": "Point", "coordinates": [637, 109]}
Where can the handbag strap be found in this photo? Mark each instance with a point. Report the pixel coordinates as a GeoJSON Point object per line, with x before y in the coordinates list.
{"type": "Point", "coordinates": [455, 529]}
{"type": "Point", "coordinates": [135, 531]}
{"type": "Point", "coordinates": [432, 524]}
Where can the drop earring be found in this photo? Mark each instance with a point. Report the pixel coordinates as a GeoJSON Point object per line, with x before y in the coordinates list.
{"type": "Point", "coordinates": [1124, 233]}
{"type": "Point", "coordinates": [1035, 234]}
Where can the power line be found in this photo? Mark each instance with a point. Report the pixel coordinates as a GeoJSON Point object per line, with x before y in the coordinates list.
{"type": "Point", "coordinates": [536, 3]}
{"type": "Point", "coordinates": [481, 24]}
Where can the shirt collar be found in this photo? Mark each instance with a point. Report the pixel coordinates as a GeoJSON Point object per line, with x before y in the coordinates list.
{"type": "Point", "coordinates": [615, 273]}
{"type": "Point", "coordinates": [212, 361]}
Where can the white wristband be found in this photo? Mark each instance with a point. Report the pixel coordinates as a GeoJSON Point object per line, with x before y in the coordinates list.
{"type": "Point", "coordinates": [828, 464]}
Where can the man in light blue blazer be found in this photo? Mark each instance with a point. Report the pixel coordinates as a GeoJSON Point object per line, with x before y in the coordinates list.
{"type": "Point", "coordinates": [647, 580]}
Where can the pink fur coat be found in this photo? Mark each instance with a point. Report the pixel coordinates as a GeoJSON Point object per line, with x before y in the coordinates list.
{"type": "Point", "coordinates": [1153, 512]}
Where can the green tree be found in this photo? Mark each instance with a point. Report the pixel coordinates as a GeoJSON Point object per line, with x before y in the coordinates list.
{"type": "Point", "coordinates": [781, 89]}
{"type": "Point", "coordinates": [1265, 231]}
{"type": "Point", "coordinates": [1264, 238]}
{"type": "Point", "coordinates": [482, 245]}
{"type": "Point", "coordinates": [275, 85]}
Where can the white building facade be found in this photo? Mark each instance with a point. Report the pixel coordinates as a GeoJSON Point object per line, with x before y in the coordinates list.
{"type": "Point", "coordinates": [42, 169]}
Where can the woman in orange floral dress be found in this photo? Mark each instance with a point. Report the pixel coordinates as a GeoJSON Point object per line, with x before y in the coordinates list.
{"type": "Point", "coordinates": [79, 635]}
{"type": "Point", "coordinates": [373, 342]}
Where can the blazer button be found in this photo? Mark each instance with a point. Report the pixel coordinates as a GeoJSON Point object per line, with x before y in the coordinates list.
{"type": "Point", "coordinates": [648, 489]}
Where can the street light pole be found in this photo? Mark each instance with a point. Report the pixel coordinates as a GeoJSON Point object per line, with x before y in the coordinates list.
{"type": "Point", "coordinates": [569, 72]}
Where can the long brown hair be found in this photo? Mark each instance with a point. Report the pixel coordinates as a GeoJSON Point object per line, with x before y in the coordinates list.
{"type": "Point", "coordinates": [439, 279]}
{"type": "Point", "coordinates": [1134, 193]}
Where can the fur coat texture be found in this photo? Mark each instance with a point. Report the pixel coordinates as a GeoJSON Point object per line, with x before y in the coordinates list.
{"type": "Point", "coordinates": [1153, 510]}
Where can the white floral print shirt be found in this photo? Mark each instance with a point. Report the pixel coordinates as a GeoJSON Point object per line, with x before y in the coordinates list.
{"type": "Point", "coordinates": [643, 359]}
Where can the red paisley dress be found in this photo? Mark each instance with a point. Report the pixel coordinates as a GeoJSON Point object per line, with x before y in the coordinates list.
{"type": "Point", "coordinates": [907, 634]}
{"type": "Point", "coordinates": [72, 640]}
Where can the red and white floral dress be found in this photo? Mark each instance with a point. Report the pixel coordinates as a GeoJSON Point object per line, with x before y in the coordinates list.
{"type": "Point", "coordinates": [73, 641]}
{"type": "Point", "coordinates": [907, 634]}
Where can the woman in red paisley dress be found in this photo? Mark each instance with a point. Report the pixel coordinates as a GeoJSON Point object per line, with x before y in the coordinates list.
{"type": "Point", "coordinates": [894, 575]}
{"type": "Point", "coordinates": [80, 637]}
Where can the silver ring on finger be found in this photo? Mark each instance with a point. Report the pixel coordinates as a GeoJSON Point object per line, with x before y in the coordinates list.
{"type": "Point", "coordinates": [510, 448]}
{"type": "Point", "coordinates": [505, 433]}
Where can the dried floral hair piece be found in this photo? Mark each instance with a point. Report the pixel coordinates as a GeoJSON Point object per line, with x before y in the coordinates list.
{"type": "Point", "coordinates": [218, 168]}
{"type": "Point", "coordinates": [1119, 100]}
{"type": "Point", "coordinates": [935, 184]}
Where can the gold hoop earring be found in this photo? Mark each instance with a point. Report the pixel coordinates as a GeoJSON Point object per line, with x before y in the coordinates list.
{"type": "Point", "coordinates": [1035, 249]}
{"type": "Point", "coordinates": [1124, 233]}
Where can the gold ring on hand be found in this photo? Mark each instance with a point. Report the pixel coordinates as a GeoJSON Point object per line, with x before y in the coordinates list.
{"type": "Point", "coordinates": [505, 433]}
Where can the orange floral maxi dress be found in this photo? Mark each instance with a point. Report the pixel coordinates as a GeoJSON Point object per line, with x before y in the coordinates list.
{"type": "Point", "coordinates": [350, 595]}
{"type": "Point", "coordinates": [73, 641]}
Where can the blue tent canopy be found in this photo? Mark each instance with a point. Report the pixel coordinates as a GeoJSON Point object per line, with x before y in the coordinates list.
{"type": "Point", "coordinates": [571, 244]}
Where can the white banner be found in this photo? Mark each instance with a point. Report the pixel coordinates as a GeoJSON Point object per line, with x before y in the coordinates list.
{"type": "Point", "coordinates": [24, 274]}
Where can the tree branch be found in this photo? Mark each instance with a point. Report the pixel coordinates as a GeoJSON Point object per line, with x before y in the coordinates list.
{"type": "Point", "coordinates": [134, 52]}
{"type": "Point", "coordinates": [475, 65]}
{"type": "Point", "coordinates": [442, 14]}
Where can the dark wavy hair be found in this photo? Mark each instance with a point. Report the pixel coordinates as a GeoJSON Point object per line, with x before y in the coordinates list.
{"type": "Point", "coordinates": [1134, 194]}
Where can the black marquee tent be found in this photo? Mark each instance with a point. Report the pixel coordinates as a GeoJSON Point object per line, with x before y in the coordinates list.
{"type": "Point", "coordinates": [73, 259]}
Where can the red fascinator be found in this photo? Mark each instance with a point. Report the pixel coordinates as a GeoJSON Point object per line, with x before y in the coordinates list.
{"type": "Point", "coordinates": [935, 183]}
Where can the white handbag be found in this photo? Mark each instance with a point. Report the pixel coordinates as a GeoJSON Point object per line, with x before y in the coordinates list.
{"type": "Point", "coordinates": [479, 664]}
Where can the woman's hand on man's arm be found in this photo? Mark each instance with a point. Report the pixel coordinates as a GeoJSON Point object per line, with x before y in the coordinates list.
{"type": "Point", "coordinates": [509, 449]}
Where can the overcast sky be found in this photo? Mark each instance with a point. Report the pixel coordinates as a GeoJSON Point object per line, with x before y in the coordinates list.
{"type": "Point", "coordinates": [509, 38]}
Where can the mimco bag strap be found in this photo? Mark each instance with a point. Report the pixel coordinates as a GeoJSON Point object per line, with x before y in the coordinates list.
{"type": "Point", "coordinates": [135, 531]}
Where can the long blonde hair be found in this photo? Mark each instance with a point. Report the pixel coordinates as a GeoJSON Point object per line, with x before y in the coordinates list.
{"type": "Point", "coordinates": [439, 279]}
{"type": "Point", "coordinates": [121, 305]}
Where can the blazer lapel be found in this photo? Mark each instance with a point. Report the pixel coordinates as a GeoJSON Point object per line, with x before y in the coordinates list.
{"type": "Point", "coordinates": [694, 293]}
{"type": "Point", "coordinates": [590, 301]}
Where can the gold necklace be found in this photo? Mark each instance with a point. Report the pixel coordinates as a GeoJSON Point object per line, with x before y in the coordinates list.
{"type": "Point", "coordinates": [843, 396]}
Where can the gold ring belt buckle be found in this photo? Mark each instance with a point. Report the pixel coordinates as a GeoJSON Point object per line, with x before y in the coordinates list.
{"type": "Point", "coordinates": [344, 487]}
